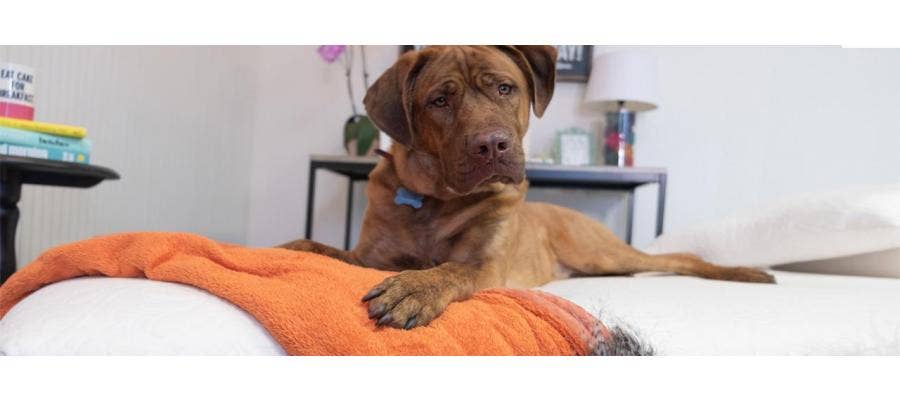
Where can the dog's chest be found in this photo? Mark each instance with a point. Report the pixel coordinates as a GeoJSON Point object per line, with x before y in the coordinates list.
{"type": "Point", "coordinates": [426, 241]}
{"type": "Point", "coordinates": [434, 233]}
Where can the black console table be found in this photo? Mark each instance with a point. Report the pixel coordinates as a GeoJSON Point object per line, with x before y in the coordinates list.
{"type": "Point", "coordinates": [539, 175]}
{"type": "Point", "coordinates": [16, 171]}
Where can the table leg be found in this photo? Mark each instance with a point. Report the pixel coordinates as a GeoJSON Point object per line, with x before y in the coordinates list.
{"type": "Point", "coordinates": [310, 199]}
{"type": "Point", "coordinates": [661, 204]}
{"type": "Point", "coordinates": [10, 192]}
{"type": "Point", "coordinates": [629, 223]}
{"type": "Point", "coordinates": [349, 220]}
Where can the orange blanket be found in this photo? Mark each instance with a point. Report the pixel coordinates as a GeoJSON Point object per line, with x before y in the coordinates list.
{"type": "Point", "coordinates": [311, 304]}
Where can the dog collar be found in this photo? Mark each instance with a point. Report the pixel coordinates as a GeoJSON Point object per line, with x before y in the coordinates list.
{"type": "Point", "coordinates": [406, 197]}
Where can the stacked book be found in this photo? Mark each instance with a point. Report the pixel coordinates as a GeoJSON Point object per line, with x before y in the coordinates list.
{"type": "Point", "coordinates": [24, 138]}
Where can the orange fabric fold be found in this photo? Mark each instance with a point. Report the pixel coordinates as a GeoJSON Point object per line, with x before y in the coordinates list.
{"type": "Point", "coordinates": [311, 304]}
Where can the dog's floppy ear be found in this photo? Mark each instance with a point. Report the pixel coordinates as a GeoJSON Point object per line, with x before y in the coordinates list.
{"type": "Point", "coordinates": [539, 65]}
{"type": "Point", "coordinates": [389, 100]}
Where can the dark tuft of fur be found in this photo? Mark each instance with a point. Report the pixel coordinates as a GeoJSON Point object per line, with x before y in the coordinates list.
{"type": "Point", "coordinates": [623, 341]}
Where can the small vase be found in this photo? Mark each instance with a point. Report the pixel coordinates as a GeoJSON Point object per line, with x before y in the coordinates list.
{"type": "Point", "coordinates": [360, 136]}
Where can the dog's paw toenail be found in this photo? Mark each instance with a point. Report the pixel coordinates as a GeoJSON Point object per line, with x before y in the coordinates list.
{"type": "Point", "coordinates": [372, 294]}
{"type": "Point", "coordinates": [377, 311]}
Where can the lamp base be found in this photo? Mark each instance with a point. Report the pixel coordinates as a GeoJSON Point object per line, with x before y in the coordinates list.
{"type": "Point", "coordinates": [618, 138]}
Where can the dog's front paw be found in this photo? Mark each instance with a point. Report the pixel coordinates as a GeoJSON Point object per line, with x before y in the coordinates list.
{"type": "Point", "coordinates": [409, 299]}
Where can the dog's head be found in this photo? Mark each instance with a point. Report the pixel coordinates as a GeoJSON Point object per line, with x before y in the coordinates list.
{"type": "Point", "coordinates": [466, 107]}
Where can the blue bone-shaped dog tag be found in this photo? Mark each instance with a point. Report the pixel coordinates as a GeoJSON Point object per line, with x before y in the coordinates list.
{"type": "Point", "coordinates": [405, 197]}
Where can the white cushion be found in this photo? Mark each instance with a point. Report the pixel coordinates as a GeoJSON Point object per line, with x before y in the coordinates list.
{"type": "Point", "coordinates": [807, 227]}
{"type": "Point", "coordinates": [123, 316]}
{"type": "Point", "coordinates": [885, 264]}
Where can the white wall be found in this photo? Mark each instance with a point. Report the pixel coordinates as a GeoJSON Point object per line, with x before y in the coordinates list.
{"type": "Point", "coordinates": [302, 106]}
{"type": "Point", "coordinates": [741, 126]}
{"type": "Point", "coordinates": [175, 122]}
{"type": "Point", "coordinates": [736, 127]}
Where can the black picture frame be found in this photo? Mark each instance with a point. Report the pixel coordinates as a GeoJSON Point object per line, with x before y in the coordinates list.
{"type": "Point", "coordinates": [573, 63]}
{"type": "Point", "coordinates": [411, 47]}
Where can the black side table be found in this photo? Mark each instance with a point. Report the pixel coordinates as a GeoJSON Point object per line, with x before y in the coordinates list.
{"type": "Point", "coordinates": [539, 175]}
{"type": "Point", "coordinates": [16, 171]}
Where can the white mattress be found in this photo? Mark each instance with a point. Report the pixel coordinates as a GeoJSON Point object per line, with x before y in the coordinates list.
{"type": "Point", "coordinates": [803, 314]}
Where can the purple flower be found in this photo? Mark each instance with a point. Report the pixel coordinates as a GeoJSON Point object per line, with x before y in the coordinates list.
{"type": "Point", "coordinates": [332, 52]}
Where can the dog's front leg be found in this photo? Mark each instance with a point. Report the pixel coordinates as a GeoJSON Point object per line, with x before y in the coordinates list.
{"type": "Point", "coordinates": [416, 297]}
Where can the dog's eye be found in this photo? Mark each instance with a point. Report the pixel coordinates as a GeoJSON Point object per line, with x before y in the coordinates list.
{"type": "Point", "coordinates": [439, 102]}
{"type": "Point", "coordinates": [504, 89]}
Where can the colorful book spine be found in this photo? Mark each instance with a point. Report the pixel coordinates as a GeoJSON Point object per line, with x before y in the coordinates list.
{"type": "Point", "coordinates": [44, 127]}
{"type": "Point", "coordinates": [17, 142]}
{"type": "Point", "coordinates": [42, 140]}
{"type": "Point", "coordinates": [13, 149]}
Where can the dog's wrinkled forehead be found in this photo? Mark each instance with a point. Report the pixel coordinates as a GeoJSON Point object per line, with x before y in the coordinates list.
{"type": "Point", "coordinates": [465, 65]}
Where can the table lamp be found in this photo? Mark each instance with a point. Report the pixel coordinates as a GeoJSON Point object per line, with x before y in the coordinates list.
{"type": "Point", "coordinates": [621, 83]}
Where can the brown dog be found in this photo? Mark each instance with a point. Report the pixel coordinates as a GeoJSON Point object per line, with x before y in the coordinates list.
{"type": "Point", "coordinates": [447, 207]}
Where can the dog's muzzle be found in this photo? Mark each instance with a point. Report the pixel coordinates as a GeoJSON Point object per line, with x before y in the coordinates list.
{"type": "Point", "coordinates": [493, 157]}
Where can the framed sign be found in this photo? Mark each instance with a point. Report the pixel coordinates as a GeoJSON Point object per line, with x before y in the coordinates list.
{"type": "Point", "coordinates": [16, 91]}
{"type": "Point", "coordinates": [573, 62]}
{"type": "Point", "coordinates": [574, 146]}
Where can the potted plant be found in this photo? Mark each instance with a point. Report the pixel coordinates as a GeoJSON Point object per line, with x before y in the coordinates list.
{"type": "Point", "coordinates": [360, 134]}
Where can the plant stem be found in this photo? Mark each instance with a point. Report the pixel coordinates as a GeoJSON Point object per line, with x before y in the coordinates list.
{"type": "Point", "coordinates": [362, 49]}
{"type": "Point", "coordinates": [348, 66]}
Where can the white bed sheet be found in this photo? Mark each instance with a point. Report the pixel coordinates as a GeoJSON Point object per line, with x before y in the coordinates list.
{"type": "Point", "coordinates": [803, 314]}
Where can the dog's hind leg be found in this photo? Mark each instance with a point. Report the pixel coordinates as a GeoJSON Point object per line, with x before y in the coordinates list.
{"type": "Point", "coordinates": [679, 263]}
{"type": "Point", "coordinates": [588, 247]}
{"type": "Point", "coordinates": [319, 248]}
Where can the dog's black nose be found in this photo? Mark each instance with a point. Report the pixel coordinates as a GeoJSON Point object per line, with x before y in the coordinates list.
{"type": "Point", "coordinates": [487, 146]}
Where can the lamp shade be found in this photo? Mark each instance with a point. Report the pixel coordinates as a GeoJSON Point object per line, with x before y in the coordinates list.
{"type": "Point", "coordinates": [627, 76]}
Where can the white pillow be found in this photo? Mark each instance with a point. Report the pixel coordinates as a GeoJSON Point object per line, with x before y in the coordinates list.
{"type": "Point", "coordinates": [884, 264]}
{"type": "Point", "coordinates": [804, 228]}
